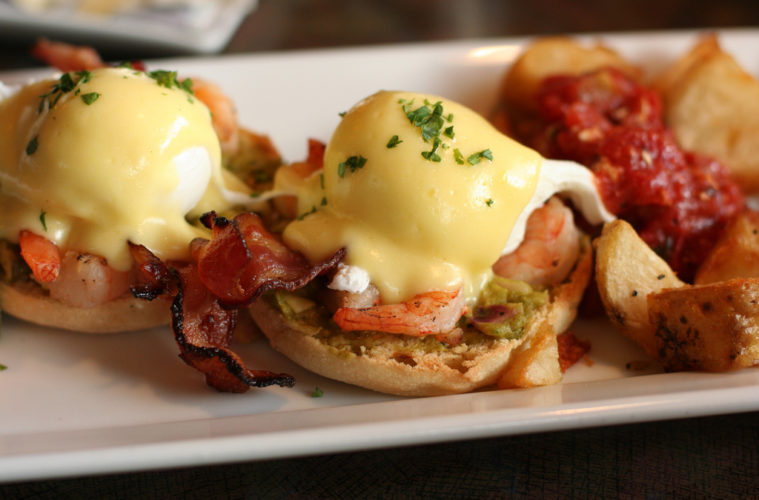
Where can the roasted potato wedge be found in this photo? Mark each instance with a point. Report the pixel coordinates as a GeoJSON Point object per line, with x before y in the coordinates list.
{"type": "Point", "coordinates": [706, 47]}
{"type": "Point", "coordinates": [736, 254]}
{"type": "Point", "coordinates": [627, 270]}
{"type": "Point", "coordinates": [712, 105]}
{"type": "Point", "coordinates": [710, 327]}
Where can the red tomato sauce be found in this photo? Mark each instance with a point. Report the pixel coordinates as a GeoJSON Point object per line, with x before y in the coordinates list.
{"type": "Point", "coordinates": [677, 201]}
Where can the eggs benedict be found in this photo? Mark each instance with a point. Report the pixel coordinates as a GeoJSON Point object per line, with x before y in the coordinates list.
{"type": "Point", "coordinates": [460, 266]}
{"type": "Point", "coordinates": [94, 165]}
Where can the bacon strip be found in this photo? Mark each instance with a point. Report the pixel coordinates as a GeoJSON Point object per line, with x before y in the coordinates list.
{"type": "Point", "coordinates": [151, 277]}
{"type": "Point", "coordinates": [203, 330]}
{"type": "Point", "coordinates": [202, 326]}
{"type": "Point", "coordinates": [244, 260]}
{"type": "Point", "coordinates": [239, 263]}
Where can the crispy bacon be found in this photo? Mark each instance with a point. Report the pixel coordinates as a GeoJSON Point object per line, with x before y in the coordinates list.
{"type": "Point", "coordinates": [243, 260]}
{"type": "Point", "coordinates": [239, 263]}
{"type": "Point", "coordinates": [202, 326]}
{"type": "Point", "coordinates": [203, 330]}
{"type": "Point", "coordinates": [151, 277]}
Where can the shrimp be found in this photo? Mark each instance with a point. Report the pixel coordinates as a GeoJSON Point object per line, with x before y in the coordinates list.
{"type": "Point", "coordinates": [223, 113]}
{"type": "Point", "coordinates": [549, 250]}
{"type": "Point", "coordinates": [76, 279]}
{"type": "Point", "coordinates": [428, 313]}
{"type": "Point", "coordinates": [67, 57]}
{"type": "Point", "coordinates": [87, 280]}
{"type": "Point", "coordinates": [41, 255]}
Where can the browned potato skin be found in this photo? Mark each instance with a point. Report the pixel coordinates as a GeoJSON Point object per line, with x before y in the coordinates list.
{"type": "Point", "coordinates": [710, 327]}
{"type": "Point", "coordinates": [675, 73]}
{"type": "Point", "coordinates": [736, 254]}
{"type": "Point", "coordinates": [712, 105]}
{"type": "Point", "coordinates": [627, 270]}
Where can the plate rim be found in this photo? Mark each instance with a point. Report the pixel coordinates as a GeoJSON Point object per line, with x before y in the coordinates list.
{"type": "Point", "coordinates": [186, 448]}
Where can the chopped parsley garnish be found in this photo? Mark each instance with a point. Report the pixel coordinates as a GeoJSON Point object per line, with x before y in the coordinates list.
{"type": "Point", "coordinates": [432, 155]}
{"type": "Point", "coordinates": [317, 393]}
{"type": "Point", "coordinates": [428, 119]}
{"type": "Point", "coordinates": [353, 163]}
{"type": "Point", "coordinates": [169, 80]}
{"type": "Point", "coordinates": [129, 65]}
{"type": "Point", "coordinates": [324, 200]}
{"type": "Point", "coordinates": [42, 219]}
{"type": "Point", "coordinates": [489, 202]}
{"type": "Point", "coordinates": [165, 78]}
{"type": "Point", "coordinates": [255, 194]}
{"type": "Point", "coordinates": [475, 158]}
{"type": "Point", "coordinates": [321, 180]}
{"type": "Point", "coordinates": [66, 83]}
{"type": "Point", "coordinates": [394, 141]}
{"type": "Point", "coordinates": [305, 214]}
{"type": "Point", "coordinates": [342, 113]}
{"type": "Point", "coordinates": [458, 156]}
{"type": "Point", "coordinates": [90, 97]}
{"type": "Point", "coordinates": [31, 147]}
{"type": "Point", "coordinates": [3, 367]}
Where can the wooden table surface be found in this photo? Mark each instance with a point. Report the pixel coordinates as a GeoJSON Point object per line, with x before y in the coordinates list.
{"type": "Point", "coordinates": [712, 457]}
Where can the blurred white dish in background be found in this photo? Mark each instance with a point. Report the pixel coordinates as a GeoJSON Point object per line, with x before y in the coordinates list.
{"type": "Point", "coordinates": [109, 6]}
{"type": "Point", "coordinates": [185, 26]}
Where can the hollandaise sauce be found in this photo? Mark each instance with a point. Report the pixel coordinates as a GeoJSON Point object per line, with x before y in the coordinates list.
{"type": "Point", "coordinates": [422, 191]}
{"type": "Point", "coordinates": [98, 158]}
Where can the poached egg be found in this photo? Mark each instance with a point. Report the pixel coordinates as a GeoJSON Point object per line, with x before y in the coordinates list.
{"type": "Point", "coordinates": [98, 158]}
{"type": "Point", "coordinates": [425, 194]}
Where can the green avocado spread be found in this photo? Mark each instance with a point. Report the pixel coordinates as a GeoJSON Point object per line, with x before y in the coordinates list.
{"type": "Point", "coordinates": [501, 312]}
{"type": "Point", "coordinates": [504, 307]}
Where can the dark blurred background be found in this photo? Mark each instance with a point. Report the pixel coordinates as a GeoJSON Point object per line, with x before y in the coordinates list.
{"type": "Point", "coordinates": [302, 24]}
{"type": "Point", "coordinates": [295, 24]}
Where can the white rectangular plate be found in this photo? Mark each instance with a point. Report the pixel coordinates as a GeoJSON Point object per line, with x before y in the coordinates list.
{"type": "Point", "coordinates": [75, 404]}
